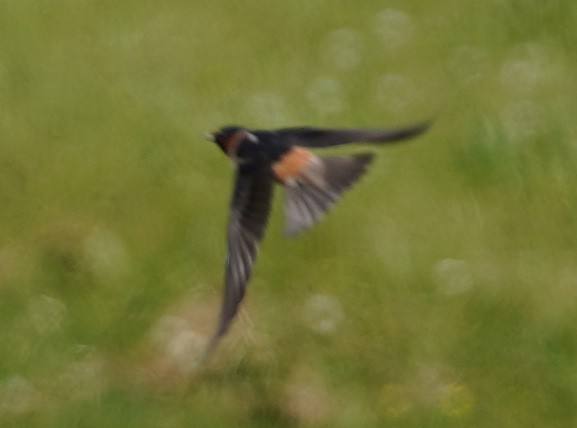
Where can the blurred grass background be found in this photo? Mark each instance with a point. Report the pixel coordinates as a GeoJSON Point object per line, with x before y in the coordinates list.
{"type": "Point", "coordinates": [442, 291]}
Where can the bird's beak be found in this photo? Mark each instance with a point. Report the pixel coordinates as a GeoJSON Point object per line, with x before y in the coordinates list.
{"type": "Point", "coordinates": [209, 136]}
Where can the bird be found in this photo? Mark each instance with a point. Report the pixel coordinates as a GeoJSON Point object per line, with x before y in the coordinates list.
{"type": "Point", "coordinates": [311, 184]}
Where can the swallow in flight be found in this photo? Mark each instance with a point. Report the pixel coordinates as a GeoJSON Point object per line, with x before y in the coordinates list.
{"type": "Point", "coordinates": [311, 185]}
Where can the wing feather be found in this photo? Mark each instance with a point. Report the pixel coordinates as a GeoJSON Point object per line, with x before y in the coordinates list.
{"type": "Point", "coordinates": [317, 186]}
{"type": "Point", "coordinates": [325, 137]}
{"type": "Point", "coordinates": [249, 213]}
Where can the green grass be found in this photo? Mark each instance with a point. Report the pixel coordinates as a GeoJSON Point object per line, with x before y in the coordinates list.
{"type": "Point", "coordinates": [441, 291]}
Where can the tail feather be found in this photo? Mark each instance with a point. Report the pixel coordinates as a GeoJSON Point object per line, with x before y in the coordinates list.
{"type": "Point", "coordinates": [310, 194]}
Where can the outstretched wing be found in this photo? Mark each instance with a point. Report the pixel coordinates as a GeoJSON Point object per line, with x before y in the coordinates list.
{"type": "Point", "coordinates": [249, 212]}
{"type": "Point", "coordinates": [312, 184]}
{"type": "Point", "coordinates": [324, 137]}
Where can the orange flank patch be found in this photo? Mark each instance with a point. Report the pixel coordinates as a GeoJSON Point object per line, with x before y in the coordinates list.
{"type": "Point", "coordinates": [292, 163]}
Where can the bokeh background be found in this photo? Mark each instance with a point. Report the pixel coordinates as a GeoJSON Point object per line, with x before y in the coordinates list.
{"type": "Point", "coordinates": [441, 291]}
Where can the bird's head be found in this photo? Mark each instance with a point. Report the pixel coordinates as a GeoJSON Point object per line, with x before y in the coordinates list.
{"type": "Point", "coordinates": [228, 137]}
